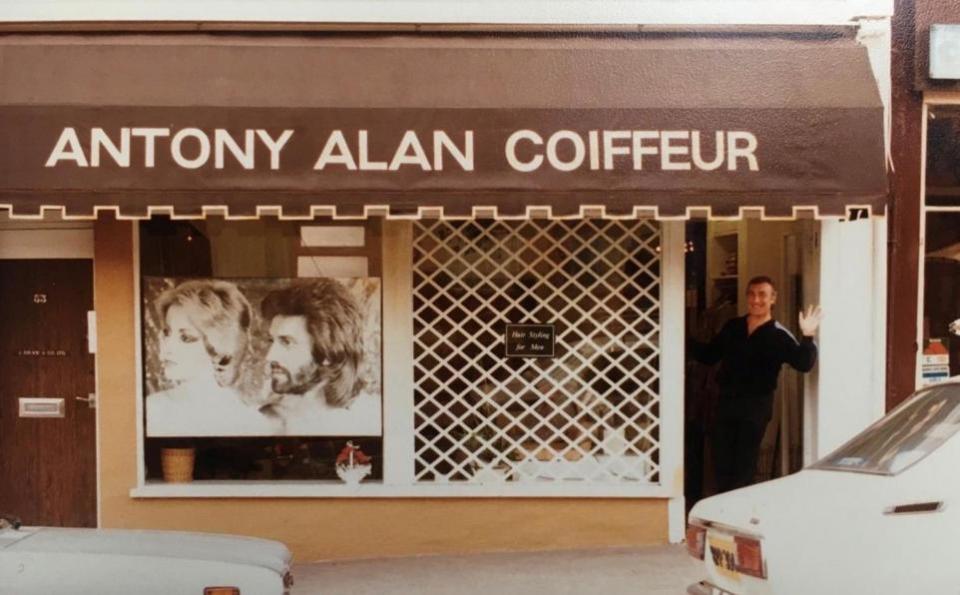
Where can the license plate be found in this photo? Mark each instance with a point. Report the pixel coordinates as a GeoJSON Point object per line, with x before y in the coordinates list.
{"type": "Point", "coordinates": [723, 552]}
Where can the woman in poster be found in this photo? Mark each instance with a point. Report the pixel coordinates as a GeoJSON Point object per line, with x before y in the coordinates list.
{"type": "Point", "coordinates": [203, 349]}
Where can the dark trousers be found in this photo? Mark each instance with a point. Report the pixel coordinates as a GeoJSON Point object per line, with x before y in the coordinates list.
{"type": "Point", "coordinates": [736, 440]}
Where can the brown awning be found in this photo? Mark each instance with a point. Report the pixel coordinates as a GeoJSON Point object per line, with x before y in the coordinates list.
{"type": "Point", "coordinates": [395, 124]}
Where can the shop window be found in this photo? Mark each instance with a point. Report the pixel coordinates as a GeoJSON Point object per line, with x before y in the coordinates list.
{"type": "Point", "coordinates": [943, 157]}
{"type": "Point", "coordinates": [940, 329]}
{"type": "Point", "coordinates": [940, 344]}
{"type": "Point", "coordinates": [941, 296]}
{"type": "Point", "coordinates": [222, 304]}
{"type": "Point", "coordinates": [588, 413]}
{"type": "Point", "coordinates": [461, 415]}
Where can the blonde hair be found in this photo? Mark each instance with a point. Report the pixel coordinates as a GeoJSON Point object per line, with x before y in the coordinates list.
{"type": "Point", "coordinates": [222, 316]}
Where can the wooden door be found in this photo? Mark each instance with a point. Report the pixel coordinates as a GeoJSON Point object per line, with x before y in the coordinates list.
{"type": "Point", "coordinates": [47, 464]}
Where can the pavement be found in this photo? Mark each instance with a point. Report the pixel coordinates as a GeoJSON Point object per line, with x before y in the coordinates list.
{"type": "Point", "coordinates": [655, 570]}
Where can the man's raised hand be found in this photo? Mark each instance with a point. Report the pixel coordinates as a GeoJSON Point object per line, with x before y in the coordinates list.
{"type": "Point", "coordinates": [810, 320]}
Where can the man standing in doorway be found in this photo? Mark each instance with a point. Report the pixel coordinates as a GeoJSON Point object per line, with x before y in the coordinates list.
{"type": "Point", "coordinates": [751, 349]}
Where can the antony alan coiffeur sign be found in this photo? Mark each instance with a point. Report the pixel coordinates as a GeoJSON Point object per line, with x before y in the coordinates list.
{"type": "Point", "coordinates": [355, 161]}
{"type": "Point", "coordinates": [262, 357]}
{"type": "Point", "coordinates": [433, 150]}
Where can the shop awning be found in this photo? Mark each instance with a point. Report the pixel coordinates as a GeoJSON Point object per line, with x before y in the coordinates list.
{"type": "Point", "coordinates": [424, 124]}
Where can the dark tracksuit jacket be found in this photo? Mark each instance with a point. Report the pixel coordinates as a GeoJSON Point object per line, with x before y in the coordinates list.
{"type": "Point", "coordinates": [750, 364]}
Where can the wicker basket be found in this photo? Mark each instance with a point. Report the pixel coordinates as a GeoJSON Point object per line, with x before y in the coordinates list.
{"type": "Point", "coordinates": [177, 464]}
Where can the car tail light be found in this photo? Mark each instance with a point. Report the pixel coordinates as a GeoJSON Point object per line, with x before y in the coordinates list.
{"type": "Point", "coordinates": [696, 540]}
{"type": "Point", "coordinates": [749, 556]}
{"type": "Point", "coordinates": [221, 591]}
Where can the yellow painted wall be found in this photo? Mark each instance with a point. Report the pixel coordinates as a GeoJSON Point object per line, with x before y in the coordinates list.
{"type": "Point", "coordinates": [317, 528]}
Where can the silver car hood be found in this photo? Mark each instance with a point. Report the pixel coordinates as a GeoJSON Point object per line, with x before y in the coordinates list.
{"type": "Point", "coordinates": [231, 549]}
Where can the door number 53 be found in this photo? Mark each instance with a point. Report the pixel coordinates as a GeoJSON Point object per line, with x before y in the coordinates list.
{"type": "Point", "coordinates": [39, 298]}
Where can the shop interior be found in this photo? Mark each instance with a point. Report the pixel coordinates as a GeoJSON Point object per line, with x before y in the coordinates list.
{"type": "Point", "coordinates": [721, 257]}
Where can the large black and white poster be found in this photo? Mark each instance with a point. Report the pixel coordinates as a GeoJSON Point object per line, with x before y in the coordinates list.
{"type": "Point", "coordinates": [262, 357]}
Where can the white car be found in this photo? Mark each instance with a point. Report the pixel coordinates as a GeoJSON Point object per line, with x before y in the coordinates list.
{"type": "Point", "coordinates": [48, 561]}
{"type": "Point", "coordinates": [880, 515]}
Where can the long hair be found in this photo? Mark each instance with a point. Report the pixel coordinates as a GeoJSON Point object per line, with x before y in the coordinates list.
{"type": "Point", "coordinates": [222, 315]}
{"type": "Point", "coordinates": [335, 326]}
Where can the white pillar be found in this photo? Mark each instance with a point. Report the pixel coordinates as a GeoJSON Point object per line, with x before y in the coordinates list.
{"type": "Point", "coordinates": [850, 382]}
{"type": "Point", "coordinates": [879, 400]}
{"type": "Point", "coordinates": [672, 334]}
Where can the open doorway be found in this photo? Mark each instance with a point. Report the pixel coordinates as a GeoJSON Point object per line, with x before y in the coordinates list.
{"type": "Point", "coordinates": [721, 257]}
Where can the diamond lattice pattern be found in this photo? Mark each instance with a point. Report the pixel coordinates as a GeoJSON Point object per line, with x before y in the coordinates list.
{"type": "Point", "coordinates": [591, 412]}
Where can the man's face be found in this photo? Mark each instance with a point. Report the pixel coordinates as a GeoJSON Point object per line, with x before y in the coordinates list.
{"type": "Point", "coordinates": [292, 367]}
{"type": "Point", "coordinates": [760, 299]}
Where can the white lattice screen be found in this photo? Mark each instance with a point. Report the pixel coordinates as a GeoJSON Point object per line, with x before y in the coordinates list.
{"type": "Point", "coordinates": [592, 412]}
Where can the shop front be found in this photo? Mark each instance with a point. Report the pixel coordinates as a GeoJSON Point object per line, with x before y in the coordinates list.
{"type": "Point", "coordinates": [380, 295]}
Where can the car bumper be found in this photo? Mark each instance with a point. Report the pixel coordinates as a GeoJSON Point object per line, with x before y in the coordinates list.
{"type": "Point", "coordinates": [705, 588]}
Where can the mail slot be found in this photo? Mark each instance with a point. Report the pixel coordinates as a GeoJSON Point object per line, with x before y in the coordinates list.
{"type": "Point", "coordinates": [41, 407]}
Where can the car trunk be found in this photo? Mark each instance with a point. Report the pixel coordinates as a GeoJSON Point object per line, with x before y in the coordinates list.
{"type": "Point", "coordinates": [811, 503]}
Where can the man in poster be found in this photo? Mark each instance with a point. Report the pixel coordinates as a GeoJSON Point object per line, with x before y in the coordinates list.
{"type": "Point", "coordinates": [751, 350]}
{"type": "Point", "coordinates": [316, 348]}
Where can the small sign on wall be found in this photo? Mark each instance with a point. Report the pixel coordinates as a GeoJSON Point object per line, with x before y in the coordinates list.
{"type": "Point", "coordinates": [531, 340]}
{"type": "Point", "coordinates": [945, 51]}
{"type": "Point", "coordinates": [42, 353]}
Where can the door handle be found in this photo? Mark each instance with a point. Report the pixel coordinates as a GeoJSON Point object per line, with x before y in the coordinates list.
{"type": "Point", "coordinates": [90, 400]}
{"type": "Point", "coordinates": [915, 507]}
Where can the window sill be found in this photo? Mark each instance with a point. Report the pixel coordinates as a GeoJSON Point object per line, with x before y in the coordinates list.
{"type": "Point", "coordinates": [335, 489]}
